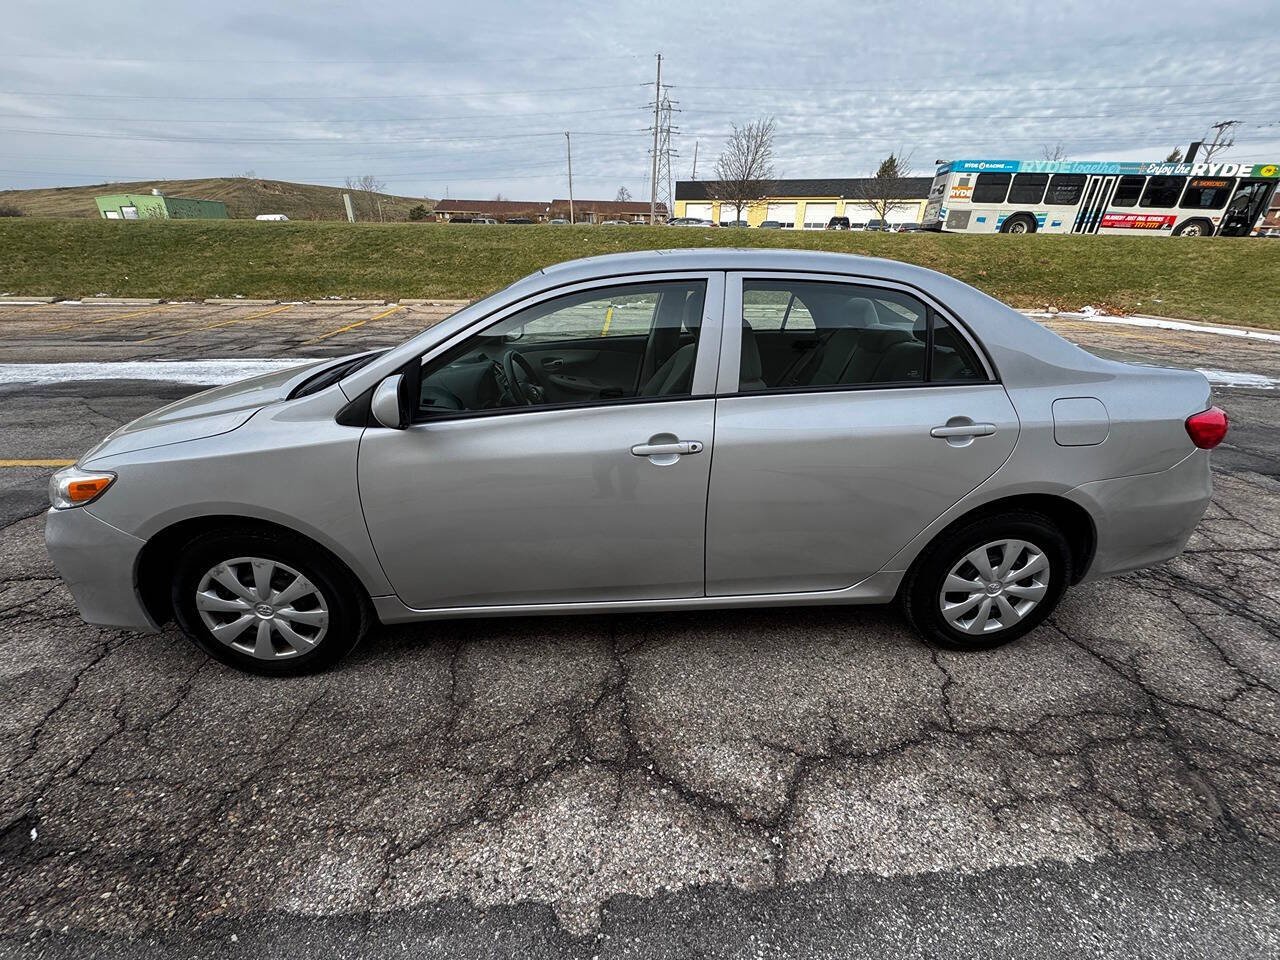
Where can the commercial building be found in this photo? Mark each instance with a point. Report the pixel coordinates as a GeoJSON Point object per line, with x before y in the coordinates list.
{"type": "Point", "coordinates": [810, 204]}
{"type": "Point", "coordinates": [449, 209]}
{"type": "Point", "coordinates": [156, 206]}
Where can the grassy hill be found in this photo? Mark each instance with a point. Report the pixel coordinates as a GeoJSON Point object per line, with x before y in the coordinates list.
{"type": "Point", "coordinates": [245, 197]}
{"type": "Point", "coordinates": [1233, 280]}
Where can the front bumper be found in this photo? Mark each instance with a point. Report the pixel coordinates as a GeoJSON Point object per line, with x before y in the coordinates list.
{"type": "Point", "coordinates": [1146, 519]}
{"type": "Point", "coordinates": [98, 564]}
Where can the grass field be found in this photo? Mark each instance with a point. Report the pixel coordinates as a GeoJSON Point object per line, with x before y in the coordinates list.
{"type": "Point", "coordinates": [245, 197]}
{"type": "Point", "coordinates": [1231, 280]}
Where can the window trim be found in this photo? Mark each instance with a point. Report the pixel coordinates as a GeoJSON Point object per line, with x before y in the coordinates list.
{"type": "Point", "coordinates": [731, 345]}
{"type": "Point", "coordinates": [704, 369]}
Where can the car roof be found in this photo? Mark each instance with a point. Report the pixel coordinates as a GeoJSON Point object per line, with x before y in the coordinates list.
{"type": "Point", "coordinates": [733, 258]}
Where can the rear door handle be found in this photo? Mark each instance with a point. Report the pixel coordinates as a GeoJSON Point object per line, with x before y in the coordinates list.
{"type": "Point", "coordinates": [964, 430]}
{"type": "Point", "coordinates": [675, 448]}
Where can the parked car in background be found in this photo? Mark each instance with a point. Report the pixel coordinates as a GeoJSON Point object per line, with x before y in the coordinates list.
{"type": "Point", "coordinates": [271, 216]}
{"type": "Point", "coordinates": [876, 225]}
{"type": "Point", "coordinates": [484, 220]}
{"type": "Point", "coordinates": [518, 220]}
{"type": "Point", "coordinates": [614, 223]}
{"type": "Point", "coordinates": [733, 223]}
{"type": "Point", "coordinates": [688, 222]}
{"type": "Point", "coordinates": [909, 228]}
{"type": "Point", "coordinates": [838, 223]}
{"type": "Point", "coordinates": [557, 221]}
{"type": "Point", "coordinates": [657, 434]}
{"type": "Point", "coordinates": [770, 225]}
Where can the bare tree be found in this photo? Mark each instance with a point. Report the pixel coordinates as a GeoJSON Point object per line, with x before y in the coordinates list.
{"type": "Point", "coordinates": [744, 171]}
{"type": "Point", "coordinates": [367, 189]}
{"type": "Point", "coordinates": [499, 198]}
{"type": "Point", "coordinates": [884, 191]}
{"type": "Point", "coordinates": [1223, 139]}
{"type": "Point", "coordinates": [1056, 151]}
{"type": "Point", "coordinates": [1175, 156]}
{"type": "Point", "coordinates": [624, 195]}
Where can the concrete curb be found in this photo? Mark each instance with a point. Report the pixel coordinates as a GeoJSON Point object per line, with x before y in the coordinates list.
{"type": "Point", "coordinates": [21, 300]}
{"type": "Point", "coordinates": [343, 302]}
{"type": "Point", "coordinates": [246, 301]}
{"type": "Point", "coordinates": [432, 302]}
{"type": "Point", "coordinates": [121, 301]}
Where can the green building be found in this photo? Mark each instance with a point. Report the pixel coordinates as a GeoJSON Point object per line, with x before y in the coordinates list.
{"type": "Point", "coordinates": [152, 206]}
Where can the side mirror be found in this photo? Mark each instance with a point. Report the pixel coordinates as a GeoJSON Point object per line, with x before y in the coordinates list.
{"type": "Point", "coordinates": [385, 405]}
{"type": "Point", "coordinates": [395, 399]}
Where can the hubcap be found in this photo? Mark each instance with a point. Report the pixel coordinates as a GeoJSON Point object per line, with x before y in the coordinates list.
{"type": "Point", "coordinates": [1018, 226]}
{"type": "Point", "coordinates": [994, 587]}
{"type": "Point", "coordinates": [286, 611]}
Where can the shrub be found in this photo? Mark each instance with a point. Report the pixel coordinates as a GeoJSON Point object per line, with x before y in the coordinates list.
{"type": "Point", "coordinates": [418, 213]}
{"type": "Point", "coordinates": [9, 210]}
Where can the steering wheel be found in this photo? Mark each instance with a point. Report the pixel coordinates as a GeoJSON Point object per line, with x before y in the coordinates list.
{"type": "Point", "coordinates": [532, 390]}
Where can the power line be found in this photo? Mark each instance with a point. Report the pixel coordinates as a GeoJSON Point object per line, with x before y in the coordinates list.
{"type": "Point", "coordinates": [456, 95]}
{"type": "Point", "coordinates": [460, 139]}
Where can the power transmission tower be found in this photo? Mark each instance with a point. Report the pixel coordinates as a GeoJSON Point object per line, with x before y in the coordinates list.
{"type": "Point", "coordinates": [660, 186]}
{"type": "Point", "coordinates": [1223, 139]}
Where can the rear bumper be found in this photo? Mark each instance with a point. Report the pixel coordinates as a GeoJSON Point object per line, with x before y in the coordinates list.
{"type": "Point", "coordinates": [1145, 520]}
{"type": "Point", "coordinates": [97, 562]}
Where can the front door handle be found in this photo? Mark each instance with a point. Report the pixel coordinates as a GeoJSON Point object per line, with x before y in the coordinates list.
{"type": "Point", "coordinates": [674, 448]}
{"type": "Point", "coordinates": [964, 430]}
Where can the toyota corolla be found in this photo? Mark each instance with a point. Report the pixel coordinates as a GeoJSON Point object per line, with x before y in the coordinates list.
{"type": "Point", "coordinates": [651, 431]}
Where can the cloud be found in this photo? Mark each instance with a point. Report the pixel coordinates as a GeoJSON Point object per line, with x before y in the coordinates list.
{"type": "Point", "coordinates": [474, 98]}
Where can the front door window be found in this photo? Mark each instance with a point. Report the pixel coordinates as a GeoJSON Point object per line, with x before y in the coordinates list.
{"type": "Point", "coordinates": [615, 344]}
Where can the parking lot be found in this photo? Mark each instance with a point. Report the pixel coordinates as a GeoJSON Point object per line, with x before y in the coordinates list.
{"type": "Point", "coordinates": [807, 783]}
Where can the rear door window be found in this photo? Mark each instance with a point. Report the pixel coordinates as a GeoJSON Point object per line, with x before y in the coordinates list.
{"type": "Point", "coordinates": [855, 335]}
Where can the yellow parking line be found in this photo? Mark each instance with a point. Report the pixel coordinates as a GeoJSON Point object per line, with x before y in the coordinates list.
{"type": "Point", "coordinates": [220, 323]}
{"type": "Point", "coordinates": [36, 463]}
{"type": "Point", "coordinates": [352, 326]}
{"type": "Point", "coordinates": [118, 316]}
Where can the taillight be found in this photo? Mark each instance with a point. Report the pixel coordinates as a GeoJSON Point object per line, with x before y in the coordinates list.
{"type": "Point", "coordinates": [1207, 428]}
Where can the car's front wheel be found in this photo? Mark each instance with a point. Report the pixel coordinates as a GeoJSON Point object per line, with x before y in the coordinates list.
{"type": "Point", "coordinates": [988, 582]}
{"type": "Point", "coordinates": [267, 602]}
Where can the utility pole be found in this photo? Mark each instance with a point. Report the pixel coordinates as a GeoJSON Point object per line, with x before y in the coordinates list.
{"type": "Point", "coordinates": [653, 180]}
{"type": "Point", "coordinates": [1222, 140]}
{"type": "Point", "coordinates": [568, 146]}
{"type": "Point", "coordinates": [694, 175]}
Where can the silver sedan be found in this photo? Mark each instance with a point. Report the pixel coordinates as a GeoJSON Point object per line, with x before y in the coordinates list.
{"type": "Point", "coordinates": [651, 431]}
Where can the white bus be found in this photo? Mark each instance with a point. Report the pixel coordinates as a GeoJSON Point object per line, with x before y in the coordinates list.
{"type": "Point", "coordinates": [1068, 196]}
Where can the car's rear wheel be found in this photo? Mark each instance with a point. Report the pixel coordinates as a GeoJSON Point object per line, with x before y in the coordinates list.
{"type": "Point", "coordinates": [988, 582]}
{"type": "Point", "coordinates": [267, 603]}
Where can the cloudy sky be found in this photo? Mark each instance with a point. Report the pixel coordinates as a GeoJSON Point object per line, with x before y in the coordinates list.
{"type": "Point", "coordinates": [473, 99]}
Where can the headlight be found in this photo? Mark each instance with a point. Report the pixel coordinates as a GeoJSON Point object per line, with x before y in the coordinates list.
{"type": "Point", "coordinates": [73, 487]}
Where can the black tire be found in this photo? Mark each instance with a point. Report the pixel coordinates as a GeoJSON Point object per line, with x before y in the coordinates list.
{"type": "Point", "coordinates": [1193, 228]}
{"type": "Point", "coordinates": [921, 595]}
{"type": "Point", "coordinates": [348, 610]}
{"type": "Point", "coordinates": [1024, 220]}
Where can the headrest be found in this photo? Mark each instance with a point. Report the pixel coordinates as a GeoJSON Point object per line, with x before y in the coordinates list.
{"type": "Point", "coordinates": [856, 312]}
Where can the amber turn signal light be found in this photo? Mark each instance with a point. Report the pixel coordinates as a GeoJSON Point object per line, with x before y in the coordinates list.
{"type": "Point", "coordinates": [74, 487]}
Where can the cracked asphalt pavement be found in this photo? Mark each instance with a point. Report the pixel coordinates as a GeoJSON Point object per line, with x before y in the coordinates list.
{"type": "Point", "coordinates": [776, 783]}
